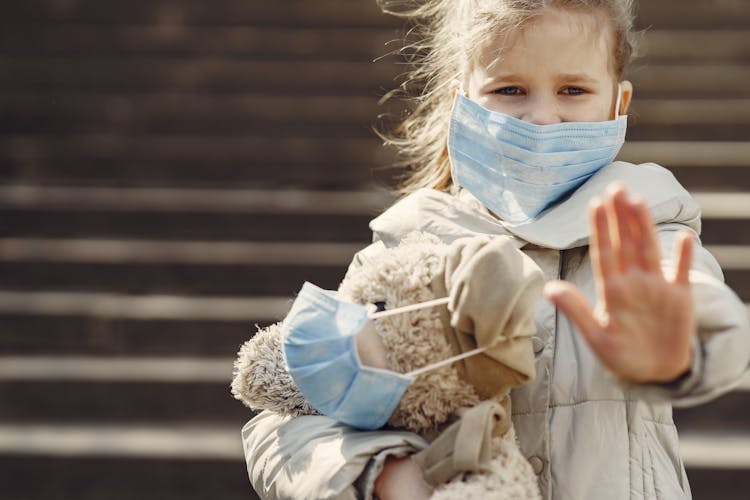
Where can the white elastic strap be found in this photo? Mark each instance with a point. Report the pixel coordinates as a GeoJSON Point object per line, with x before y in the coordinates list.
{"type": "Point", "coordinates": [416, 307]}
{"type": "Point", "coordinates": [618, 101]}
{"type": "Point", "coordinates": [445, 362]}
{"type": "Point", "coordinates": [404, 309]}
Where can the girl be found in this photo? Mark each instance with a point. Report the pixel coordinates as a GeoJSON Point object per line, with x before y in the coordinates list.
{"type": "Point", "coordinates": [515, 134]}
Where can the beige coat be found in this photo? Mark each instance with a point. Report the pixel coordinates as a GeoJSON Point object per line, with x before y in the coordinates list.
{"type": "Point", "coordinates": [586, 435]}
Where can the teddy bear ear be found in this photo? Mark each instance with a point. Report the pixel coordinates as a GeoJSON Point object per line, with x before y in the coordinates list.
{"type": "Point", "coordinates": [260, 378]}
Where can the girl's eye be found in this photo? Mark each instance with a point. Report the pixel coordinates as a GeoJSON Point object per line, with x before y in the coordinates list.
{"type": "Point", "coordinates": [573, 91]}
{"type": "Point", "coordinates": [508, 91]}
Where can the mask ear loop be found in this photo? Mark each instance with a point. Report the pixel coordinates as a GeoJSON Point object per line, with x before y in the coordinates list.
{"type": "Point", "coordinates": [446, 362]}
{"type": "Point", "coordinates": [458, 86]}
{"type": "Point", "coordinates": [412, 307]}
{"type": "Point", "coordinates": [415, 307]}
{"type": "Point", "coordinates": [618, 101]}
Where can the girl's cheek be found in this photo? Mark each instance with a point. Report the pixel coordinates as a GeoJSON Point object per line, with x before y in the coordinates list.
{"type": "Point", "coordinates": [493, 104]}
{"type": "Point", "coordinates": [503, 104]}
{"type": "Point", "coordinates": [591, 110]}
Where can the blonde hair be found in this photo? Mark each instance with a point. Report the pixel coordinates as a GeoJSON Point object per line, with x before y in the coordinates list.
{"type": "Point", "coordinates": [445, 37]}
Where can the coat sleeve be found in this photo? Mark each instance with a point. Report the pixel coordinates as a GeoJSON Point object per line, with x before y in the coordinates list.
{"type": "Point", "coordinates": [315, 457]}
{"type": "Point", "coordinates": [722, 342]}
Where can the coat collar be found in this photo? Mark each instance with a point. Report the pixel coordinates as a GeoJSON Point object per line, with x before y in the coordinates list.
{"type": "Point", "coordinates": [564, 225]}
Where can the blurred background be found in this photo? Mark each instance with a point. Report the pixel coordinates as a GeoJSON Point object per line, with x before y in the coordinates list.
{"type": "Point", "coordinates": [172, 171]}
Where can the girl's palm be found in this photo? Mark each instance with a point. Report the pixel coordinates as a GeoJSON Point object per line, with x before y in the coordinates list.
{"type": "Point", "coordinates": [642, 327]}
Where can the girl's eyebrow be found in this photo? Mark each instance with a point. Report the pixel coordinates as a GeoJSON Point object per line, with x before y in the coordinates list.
{"type": "Point", "coordinates": [505, 77]}
{"type": "Point", "coordinates": [577, 77]}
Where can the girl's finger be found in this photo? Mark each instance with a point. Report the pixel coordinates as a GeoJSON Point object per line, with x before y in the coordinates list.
{"type": "Point", "coordinates": [650, 255]}
{"type": "Point", "coordinates": [684, 257]}
{"type": "Point", "coordinates": [573, 304]}
{"type": "Point", "coordinates": [602, 255]}
{"type": "Point", "coordinates": [568, 299]}
{"type": "Point", "coordinates": [625, 239]}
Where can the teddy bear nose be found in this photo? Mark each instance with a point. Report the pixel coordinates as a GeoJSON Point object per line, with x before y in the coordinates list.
{"type": "Point", "coordinates": [380, 306]}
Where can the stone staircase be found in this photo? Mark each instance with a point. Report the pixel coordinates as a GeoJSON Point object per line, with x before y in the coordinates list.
{"type": "Point", "coordinates": [172, 171]}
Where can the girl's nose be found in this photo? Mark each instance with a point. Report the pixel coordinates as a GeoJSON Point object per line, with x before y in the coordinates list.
{"type": "Point", "coordinates": [541, 112]}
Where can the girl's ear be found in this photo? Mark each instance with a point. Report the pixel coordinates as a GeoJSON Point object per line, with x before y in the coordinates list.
{"type": "Point", "coordinates": [626, 89]}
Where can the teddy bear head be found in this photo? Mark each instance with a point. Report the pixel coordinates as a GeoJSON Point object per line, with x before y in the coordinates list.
{"type": "Point", "coordinates": [394, 277]}
{"type": "Point", "coordinates": [402, 276]}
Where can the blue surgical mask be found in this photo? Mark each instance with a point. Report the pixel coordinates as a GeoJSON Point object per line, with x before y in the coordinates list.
{"type": "Point", "coordinates": [321, 354]}
{"type": "Point", "coordinates": [517, 169]}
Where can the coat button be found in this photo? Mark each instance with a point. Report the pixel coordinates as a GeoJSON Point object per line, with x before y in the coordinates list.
{"type": "Point", "coordinates": [537, 344]}
{"type": "Point", "coordinates": [536, 464]}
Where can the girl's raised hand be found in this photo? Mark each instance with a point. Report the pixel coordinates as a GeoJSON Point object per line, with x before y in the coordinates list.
{"type": "Point", "coordinates": [643, 326]}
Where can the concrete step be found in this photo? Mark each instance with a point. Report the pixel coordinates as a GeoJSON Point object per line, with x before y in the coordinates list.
{"type": "Point", "coordinates": [678, 132]}
{"type": "Point", "coordinates": [180, 370]}
{"type": "Point", "coordinates": [706, 112]}
{"type": "Point", "coordinates": [167, 278]}
{"type": "Point", "coordinates": [121, 251]}
{"type": "Point", "coordinates": [255, 150]}
{"type": "Point", "coordinates": [659, 45]}
{"type": "Point", "coordinates": [156, 274]}
{"type": "Point", "coordinates": [718, 483]}
{"type": "Point", "coordinates": [716, 178]}
{"type": "Point", "coordinates": [143, 307]}
{"type": "Point", "coordinates": [153, 267]}
{"type": "Point", "coordinates": [707, 450]}
{"type": "Point", "coordinates": [295, 202]}
{"type": "Point", "coordinates": [719, 14]}
{"type": "Point", "coordinates": [188, 113]}
{"type": "Point", "coordinates": [181, 200]}
{"type": "Point", "coordinates": [686, 81]}
{"type": "Point", "coordinates": [183, 252]}
{"type": "Point", "coordinates": [66, 389]}
{"type": "Point", "coordinates": [252, 215]}
{"type": "Point", "coordinates": [154, 440]}
{"type": "Point", "coordinates": [670, 14]}
{"type": "Point", "coordinates": [179, 462]}
{"type": "Point", "coordinates": [302, 41]}
{"type": "Point", "coordinates": [95, 334]}
{"type": "Point", "coordinates": [687, 154]}
{"type": "Point", "coordinates": [123, 478]}
{"type": "Point", "coordinates": [324, 13]}
{"type": "Point", "coordinates": [168, 40]}
{"type": "Point", "coordinates": [206, 74]}
{"type": "Point", "coordinates": [207, 226]}
{"type": "Point", "coordinates": [726, 413]}
{"type": "Point", "coordinates": [268, 161]}
{"type": "Point", "coordinates": [100, 324]}
{"type": "Point", "coordinates": [219, 172]}
{"type": "Point", "coordinates": [106, 401]}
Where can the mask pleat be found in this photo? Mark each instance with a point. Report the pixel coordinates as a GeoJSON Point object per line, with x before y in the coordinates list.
{"type": "Point", "coordinates": [518, 169]}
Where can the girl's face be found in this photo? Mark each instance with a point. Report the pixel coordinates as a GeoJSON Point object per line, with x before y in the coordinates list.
{"type": "Point", "coordinates": [558, 68]}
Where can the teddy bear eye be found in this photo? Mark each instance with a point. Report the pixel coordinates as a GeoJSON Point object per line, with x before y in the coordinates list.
{"type": "Point", "coordinates": [380, 306]}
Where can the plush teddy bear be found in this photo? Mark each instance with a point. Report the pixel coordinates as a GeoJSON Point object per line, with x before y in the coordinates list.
{"type": "Point", "coordinates": [463, 409]}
